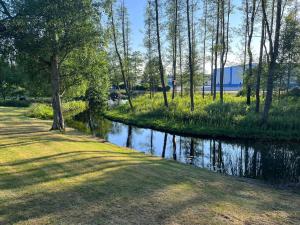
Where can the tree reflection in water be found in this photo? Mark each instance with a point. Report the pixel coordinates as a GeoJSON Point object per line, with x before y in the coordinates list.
{"type": "Point", "coordinates": [272, 162]}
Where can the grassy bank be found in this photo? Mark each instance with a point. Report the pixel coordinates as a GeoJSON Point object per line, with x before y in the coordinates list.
{"type": "Point", "coordinates": [52, 178]}
{"type": "Point", "coordinates": [233, 119]}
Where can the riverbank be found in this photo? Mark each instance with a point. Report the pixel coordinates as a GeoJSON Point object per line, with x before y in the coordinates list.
{"type": "Point", "coordinates": [234, 119]}
{"type": "Point", "coordinates": [53, 178]}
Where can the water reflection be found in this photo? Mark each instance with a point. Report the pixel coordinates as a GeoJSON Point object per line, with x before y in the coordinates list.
{"type": "Point", "coordinates": [272, 162]}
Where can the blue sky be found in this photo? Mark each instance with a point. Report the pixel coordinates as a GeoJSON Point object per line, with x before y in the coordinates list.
{"type": "Point", "coordinates": [136, 10]}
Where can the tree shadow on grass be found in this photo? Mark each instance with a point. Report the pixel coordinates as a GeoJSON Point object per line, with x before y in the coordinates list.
{"type": "Point", "coordinates": [133, 190]}
{"type": "Point", "coordinates": [24, 138]}
{"type": "Point", "coordinates": [107, 187]}
{"type": "Point", "coordinates": [59, 166]}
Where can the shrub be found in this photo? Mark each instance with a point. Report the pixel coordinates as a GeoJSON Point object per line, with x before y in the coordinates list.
{"type": "Point", "coordinates": [44, 111]}
{"type": "Point", "coordinates": [73, 108]}
{"type": "Point", "coordinates": [295, 92]}
{"type": "Point", "coordinates": [40, 111]}
{"type": "Point", "coordinates": [15, 103]}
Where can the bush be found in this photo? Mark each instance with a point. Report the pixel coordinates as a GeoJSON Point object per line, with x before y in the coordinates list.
{"type": "Point", "coordinates": [73, 108]}
{"type": "Point", "coordinates": [140, 88]}
{"type": "Point", "coordinates": [295, 92]}
{"type": "Point", "coordinates": [44, 111]}
{"type": "Point", "coordinates": [168, 88]}
{"type": "Point", "coordinates": [242, 92]}
{"type": "Point", "coordinates": [40, 111]}
{"type": "Point", "coordinates": [15, 103]}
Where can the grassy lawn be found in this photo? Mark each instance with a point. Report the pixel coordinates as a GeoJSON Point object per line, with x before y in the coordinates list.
{"type": "Point", "coordinates": [233, 119]}
{"type": "Point", "coordinates": [52, 178]}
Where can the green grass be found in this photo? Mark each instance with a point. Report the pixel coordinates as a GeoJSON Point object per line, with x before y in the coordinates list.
{"type": "Point", "coordinates": [233, 119]}
{"type": "Point", "coordinates": [53, 178]}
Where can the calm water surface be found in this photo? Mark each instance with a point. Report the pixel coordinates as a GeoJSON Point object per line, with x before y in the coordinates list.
{"type": "Point", "coordinates": [276, 163]}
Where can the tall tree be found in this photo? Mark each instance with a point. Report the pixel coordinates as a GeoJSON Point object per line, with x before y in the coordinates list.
{"type": "Point", "coordinates": [250, 21]}
{"type": "Point", "coordinates": [191, 64]}
{"type": "Point", "coordinates": [224, 44]}
{"type": "Point", "coordinates": [204, 48]}
{"type": "Point", "coordinates": [175, 48]}
{"type": "Point", "coordinates": [212, 48]}
{"type": "Point", "coordinates": [245, 28]}
{"type": "Point", "coordinates": [181, 41]}
{"type": "Point", "coordinates": [180, 48]}
{"type": "Point", "coordinates": [48, 31]}
{"type": "Point", "coordinates": [172, 11]}
{"type": "Point", "coordinates": [149, 44]}
{"type": "Point", "coordinates": [161, 68]}
{"type": "Point", "coordinates": [121, 62]}
{"type": "Point", "coordinates": [273, 52]}
{"type": "Point", "coordinates": [125, 42]}
{"type": "Point", "coordinates": [260, 64]}
{"type": "Point", "coordinates": [216, 49]}
{"type": "Point", "coordinates": [289, 54]}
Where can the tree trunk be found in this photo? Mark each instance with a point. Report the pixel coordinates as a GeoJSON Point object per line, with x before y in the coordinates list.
{"type": "Point", "coordinates": [58, 120]}
{"type": "Point", "coordinates": [175, 49]}
{"type": "Point", "coordinates": [120, 58]}
{"type": "Point", "coordinates": [259, 69]}
{"type": "Point", "coordinates": [216, 51]}
{"type": "Point", "coordinates": [149, 46]}
{"type": "Point", "coordinates": [125, 46]}
{"type": "Point", "coordinates": [161, 68]}
{"type": "Point", "coordinates": [190, 56]}
{"type": "Point", "coordinates": [274, 55]}
{"type": "Point", "coordinates": [250, 54]}
{"type": "Point", "coordinates": [225, 43]}
{"type": "Point", "coordinates": [222, 53]}
{"type": "Point", "coordinates": [204, 49]}
{"type": "Point", "coordinates": [289, 77]}
{"type": "Point", "coordinates": [180, 66]}
{"type": "Point", "coordinates": [90, 119]}
{"type": "Point", "coordinates": [212, 63]}
{"type": "Point", "coordinates": [245, 49]}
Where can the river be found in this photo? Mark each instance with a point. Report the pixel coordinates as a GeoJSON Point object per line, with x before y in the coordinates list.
{"type": "Point", "coordinates": [273, 162]}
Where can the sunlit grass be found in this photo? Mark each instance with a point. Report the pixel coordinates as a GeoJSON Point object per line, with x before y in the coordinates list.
{"type": "Point", "coordinates": [53, 178]}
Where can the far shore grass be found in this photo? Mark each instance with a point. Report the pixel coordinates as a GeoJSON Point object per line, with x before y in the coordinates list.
{"type": "Point", "coordinates": [72, 178]}
{"type": "Point", "coordinates": [233, 119]}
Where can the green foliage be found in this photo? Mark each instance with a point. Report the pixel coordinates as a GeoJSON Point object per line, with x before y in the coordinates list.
{"type": "Point", "coordinates": [45, 111]}
{"type": "Point", "coordinates": [15, 103]}
{"type": "Point", "coordinates": [73, 108]}
{"type": "Point", "coordinates": [47, 27]}
{"type": "Point", "coordinates": [11, 80]}
{"type": "Point", "coordinates": [232, 118]}
{"type": "Point", "coordinates": [41, 111]}
{"type": "Point", "coordinates": [44, 30]}
{"type": "Point", "coordinates": [295, 92]}
{"type": "Point", "coordinates": [151, 75]}
{"type": "Point", "coordinates": [35, 75]}
{"type": "Point", "coordinates": [84, 70]}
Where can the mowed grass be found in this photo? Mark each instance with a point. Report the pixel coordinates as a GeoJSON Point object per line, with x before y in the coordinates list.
{"type": "Point", "coordinates": [71, 178]}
